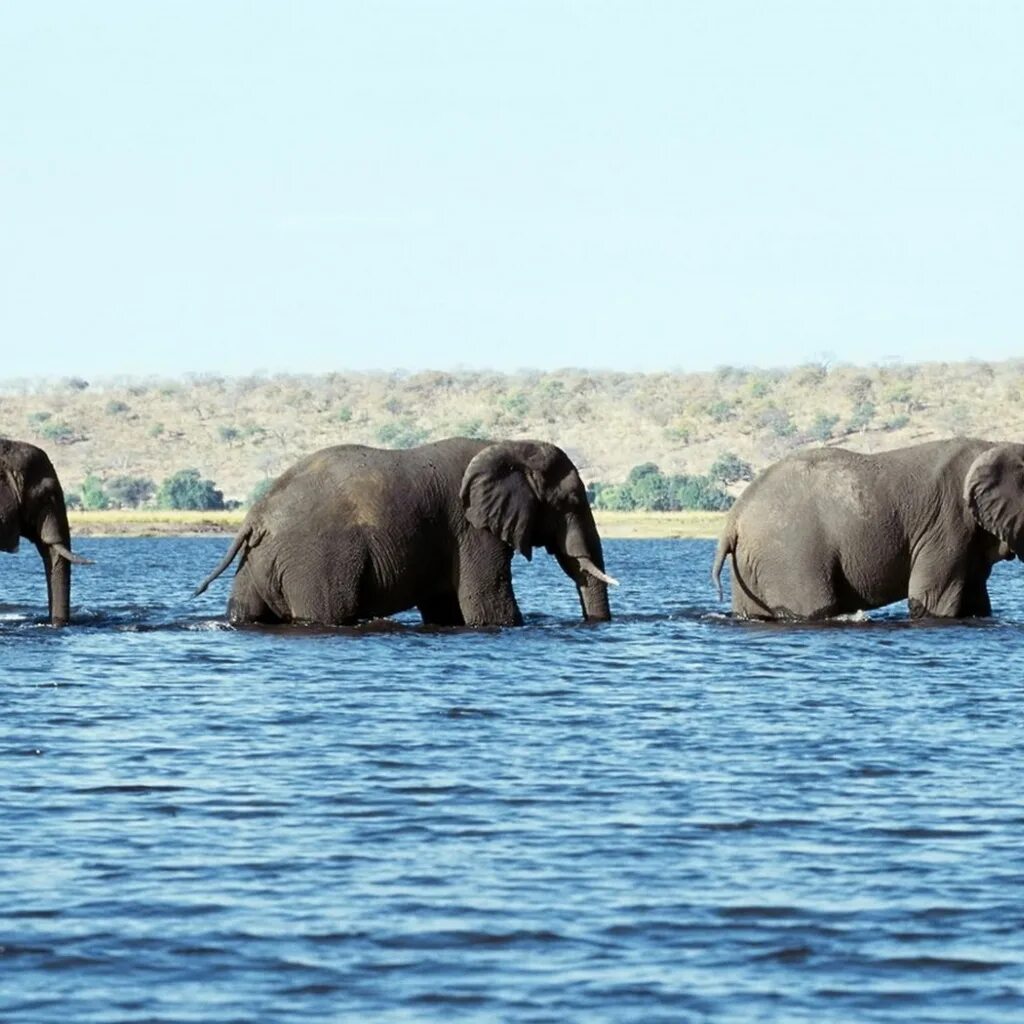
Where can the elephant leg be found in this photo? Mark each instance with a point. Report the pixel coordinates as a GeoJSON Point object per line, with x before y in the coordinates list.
{"type": "Point", "coordinates": [441, 610]}
{"type": "Point", "coordinates": [937, 593]}
{"type": "Point", "coordinates": [489, 602]}
{"type": "Point", "coordinates": [246, 604]}
{"type": "Point", "coordinates": [976, 603]}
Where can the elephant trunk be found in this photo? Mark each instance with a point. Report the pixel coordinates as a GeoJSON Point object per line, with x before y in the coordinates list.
{"type": "Point", "coordinates": [582, 560]}
{"type": "Point", "coordinates": [54, 546]}
{"type": "Point", "coordinates": [60, 588]}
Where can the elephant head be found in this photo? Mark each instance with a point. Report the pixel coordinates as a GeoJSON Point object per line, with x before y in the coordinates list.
{"type": "Point", "coordinates": [530, 495]}
{"type": "Point", "coordinates": [32, 506]}
{"type": "Point", "coordinates": [994, 492]}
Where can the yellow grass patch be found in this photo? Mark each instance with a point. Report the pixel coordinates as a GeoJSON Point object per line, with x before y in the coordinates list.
{"type": "Point", "coordinates": [149, 522]}
{"type": "Point", "coordinates": [659, 524]}
{"type": "Point", "coordinates": [146, 522]}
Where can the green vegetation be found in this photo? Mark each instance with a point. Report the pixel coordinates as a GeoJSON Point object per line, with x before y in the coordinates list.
{"type": "Point", "coordinates": [245, 429]}
{"type": "Point", "coordinates": [129, 491]}
{"type": "Point", "coordinates": [258, 491]}
{"type": "Point", "coordinates": [58, 431]}
{"type": "Point", "coordinates": [187, 490]}
{"type": "Point", "coordinates": [401, 433]}
{"type": "Point", "coordinates": [647, 489]}
{"type": "Point", "coordinates": [94, 495]}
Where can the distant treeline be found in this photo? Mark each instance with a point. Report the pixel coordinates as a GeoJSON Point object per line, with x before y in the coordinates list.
{"type": "Point", "coordinates": [647, 489]}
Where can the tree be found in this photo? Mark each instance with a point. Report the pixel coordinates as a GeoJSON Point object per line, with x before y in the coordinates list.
{"type": "Point", "coordinates": [259, 490]}
{"type": "Point", "coordinates": [94, 497]}
{"type": "Point", "coordinates": [699, 492]}
{"type": "Point", "coordinates": [130, 491]}
{"type": "Point", "coordinates": [729, 468]}
{"type": "Point", "coordinates": [823, 425]}
{"type": "Point", "coordinates": [187, 490]}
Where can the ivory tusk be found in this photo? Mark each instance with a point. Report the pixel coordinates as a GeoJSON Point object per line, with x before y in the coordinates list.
{"type": "Point", "coordinates": [70, 556]}
{"type": "Point", "coordinates": [588, 567]}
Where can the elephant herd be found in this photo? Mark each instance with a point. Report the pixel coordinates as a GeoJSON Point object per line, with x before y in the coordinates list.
{"type": "Point", "coordinates": [352, 533]}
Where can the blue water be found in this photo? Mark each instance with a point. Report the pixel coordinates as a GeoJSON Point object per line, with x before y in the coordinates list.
{"type": "Point", "coordinates": [670, 817]}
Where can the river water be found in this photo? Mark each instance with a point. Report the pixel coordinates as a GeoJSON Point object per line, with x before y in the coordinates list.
{"type": "Point", "coordinates": [669, 817]}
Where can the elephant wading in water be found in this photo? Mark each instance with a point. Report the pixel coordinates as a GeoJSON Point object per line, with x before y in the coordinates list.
{"type": "Point", "coordinates": [829, 532]}
{"type": "Point", "coordinates": [352, 533]}
{"type": "Point", "coordinates": [32, 506]}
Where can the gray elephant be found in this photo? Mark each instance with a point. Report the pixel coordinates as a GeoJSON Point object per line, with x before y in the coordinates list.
{"type": "Point", "coordinates": [352, 533]}
{"type": "Point", "coordinates": [829, 532]}
{"type": "Point", "coordinates": [32, 506]}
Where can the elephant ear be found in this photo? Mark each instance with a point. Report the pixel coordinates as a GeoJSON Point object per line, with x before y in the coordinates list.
{"type": "Point", "coordinates": [994, 492]}
{"type": "Point", "coordinates": [501, 492]}
{"type": "Point", "coordinates": [10, 514]}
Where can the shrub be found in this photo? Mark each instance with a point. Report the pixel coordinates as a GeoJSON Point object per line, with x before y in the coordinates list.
{"type": "Point", "coordinates": [187, 490]}
{"type": "Point", "coordinates": [720, 411]}
{"type": "Point", "coordinates": [403, 433]}
{"type": "Point", "coordinates": [777, 421]}
{"type": "Point", "coordinates": [896, 423]}
{"type": "Point", "coordinates": [59, 432]}
{"type": "Point", "coordinates": [130, 491]}
{"type": "Point", "coordinates": [228, 434]}
{"type": "Point", "coordinates": [115, 407]}
{"type": "Point", "coordinates": [823, 425]}
{"type": "Point", "coordinates": [863, 414]}
{"type": "Point", "coordinates": [471, 428]}
{"type": "Point", "coordinates": [517, 404]}
{"type": "Point", "coordinates": [729, 468]}
{"type": "Point", "coordinates": [259, 490]}
{"type": "Point", "coordinates": [94, 496]}
{"type": "Point", "coordinates": [650, 490]}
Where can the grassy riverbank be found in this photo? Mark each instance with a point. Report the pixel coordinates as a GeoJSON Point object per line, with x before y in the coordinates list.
{"type": "Point", "coordinates": [159, 522]}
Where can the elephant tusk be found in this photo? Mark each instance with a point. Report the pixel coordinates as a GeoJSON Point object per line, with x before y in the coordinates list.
{"type": "Point", "coordinates": [588, 567]}
{"type": "Point", "coordinates": [69, 556]}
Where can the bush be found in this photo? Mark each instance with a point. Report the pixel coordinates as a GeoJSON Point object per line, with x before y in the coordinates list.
{"type": "Point", "coordinates": [130, 491]}
{"type": "Point", "coordinates": [650, 490]}
{"type": "Point", "coordinates": [729, 468]}
{"type": "Point", "coordinates": [258, 491]}
{"type": "Point", "coordinates": [115, 407]}
{"type": "Point", "coordinates": [777, 421]}
{"type": "Point", "coordinates": [59, 432]}
{"type": "Point", "coordinates": [186, 490]}
{"type": "Point", "coordinates": [403, 433]}
{"type": "Point", "coordinates": [94, 497]}
{"type": "Point", "coordinates": [823, 425]}
{"type": "Point", "coordinates": [862, 416]}
{"type": "Point", "coordinates": [471, 428]}
{"type": "Point", "coordinates": [896, 423]}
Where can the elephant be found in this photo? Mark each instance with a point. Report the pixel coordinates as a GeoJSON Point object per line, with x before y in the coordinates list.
{"type": "Point", "coordinates": [32, 506]}
{"type": "Point", "coordinates": [352, 533]}
{"type": "Point", "coordinates": [831, 532]}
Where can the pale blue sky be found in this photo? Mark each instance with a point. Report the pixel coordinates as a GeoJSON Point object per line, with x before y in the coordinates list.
{"type": "Point", "coordinates": [215, 186]}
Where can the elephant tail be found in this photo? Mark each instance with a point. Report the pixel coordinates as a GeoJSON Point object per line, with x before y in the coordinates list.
{"type": "Point", "coordinates": [726, 546]}
{"type": "Point", "coordinates": [236, 546]}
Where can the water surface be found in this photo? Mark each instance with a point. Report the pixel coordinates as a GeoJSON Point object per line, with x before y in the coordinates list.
{"type": "Point", "coordinates": [670, 817]}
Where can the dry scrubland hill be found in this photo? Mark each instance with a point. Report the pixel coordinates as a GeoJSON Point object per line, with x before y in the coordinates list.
{"type": "Point", "coordinates": [238, 431]}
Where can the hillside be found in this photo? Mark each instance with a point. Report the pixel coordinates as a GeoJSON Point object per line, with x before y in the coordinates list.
{"type": "Point", "coordinates": [239, 431]}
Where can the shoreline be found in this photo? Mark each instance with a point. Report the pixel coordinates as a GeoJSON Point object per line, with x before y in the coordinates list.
{"type": "Point", "coordinates": [170, 523]}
